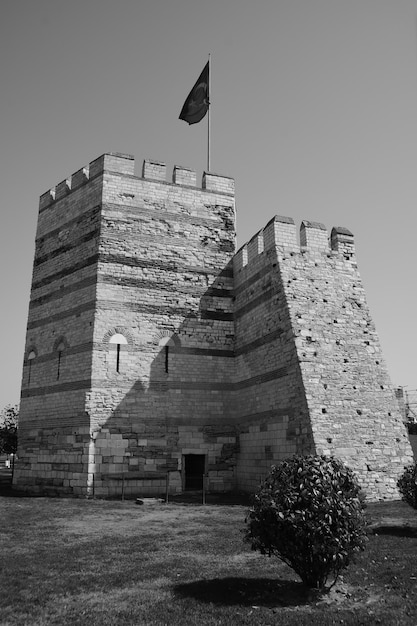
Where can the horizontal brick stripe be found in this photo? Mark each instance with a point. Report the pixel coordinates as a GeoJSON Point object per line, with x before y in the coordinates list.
{"type": "Point", "coordinates": [221, 316]}
{"type": "Point", "coordinates": [171, 266]}
{"type": "Point", "coordinates": [88, 306]}
{"type": "Point", "coordinates": [131, 262]}
{"type": "Point", "coordinates": [216, 292]}
{"type": "Point", "coordinates": [252, 280]}
{"type": "Point", "coordinates": [56, 295]}
{"type": "Point", "coordinates": [51, 356]}
{"type": "Point", "coordinates": [273, 415]}
{"type": "Point", "coordinates": [97, 384]}
{"type": "Point", "coordinates": [253, 345]}
{"type": "Point", "coordinates": [83, 184]}
{"type": "Point", "coordinates": [262, 378]}
{"type": "Point", "coordinates": [89, 346]}
{"type": "Point", "coordinates": [161, 285]}
{"type": "Point", "coordinates": [140, 213]}
{"type": "Point", "coordinates": [89, 216]}
{"type": "Point", "coordinates": [201, 351]}
{"type": "Point", "coordinates": [74, 245]}
{"type": "Point", "coordinates": [135, 307]}
{"type": "Point", "coordinates": [75, 385]}
{"type": "Point", "coordinates": [181, 350]}
{"type": "Point", "coordinates": [137, 283]}
{"type": "Point", "coordinates": [143, 476]}
{"type": "Point", "coordinates": [76, 267]}
{"type": "Point", "coordinates": [200, 386]}
{"type": "Point", "coordinates": [155, 310]}
{"type": "Point", "coordinates": [226, 272]}
{"type": "Point", "coordinates": [254, 303]}
{"type": "Point", "coordinates": [228, 386]}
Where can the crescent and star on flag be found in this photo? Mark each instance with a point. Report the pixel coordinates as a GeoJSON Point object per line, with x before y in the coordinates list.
{"type": "Point", "coordinates": [197, 103]}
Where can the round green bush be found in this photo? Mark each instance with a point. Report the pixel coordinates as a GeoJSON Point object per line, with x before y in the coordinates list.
{"type": "Point", "coordinates": [309, 512]}
{"type": "Point", "coordinates": [407, 485]}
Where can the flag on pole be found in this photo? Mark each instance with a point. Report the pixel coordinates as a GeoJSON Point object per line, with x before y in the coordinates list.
{"type": "Point", "coordinates": [197, 102]}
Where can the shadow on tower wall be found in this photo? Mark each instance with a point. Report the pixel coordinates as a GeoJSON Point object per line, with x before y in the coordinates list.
{"type": "Point", "coordinates": [229, 413]}
{"type": "Point", "coordinates": [182, 405]}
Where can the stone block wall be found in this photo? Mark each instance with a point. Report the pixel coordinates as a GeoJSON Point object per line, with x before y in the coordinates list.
{"type": "Point", "coordinates": [165, 286]}
{"type": "Point", "coordinates": [135, 281]}
{"type": "Point", "coordinates": [57, 359]}
{"type": "Point", "coordinates": [269, 396]}
{"type": "Point", "coordinates": [151, 344]}
{"type": "Point", "coordinates": [330, 356]}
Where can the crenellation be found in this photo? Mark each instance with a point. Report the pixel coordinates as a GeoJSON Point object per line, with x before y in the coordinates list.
{"type": "Point", "coordinates": [115, 162]}
{"type": "Point", "coordinates": [154, 170]}
{"type": "Point", "coordinates": [240, 259]}
{"type": "Point", "coordinates": [314, 236]}
{"type": "Point", "coordinates": [255, 246]}
{"type": "Point", "coordinates": [62, 189]}
{"type": "Point", "coordinates": [80, 177]}
{"type": "Point", "coordinates": [220, 184]}
{"type": "Point", "coordinates": [342, 240]}
{"type": "Point", "coordinates": [280, 231]}
{"type": "Point", "coordinates": [47, 198]}
{"type": "Point", "coordinates": [156, 353]}
{"type": "Point", "coordinates": [184, 176]}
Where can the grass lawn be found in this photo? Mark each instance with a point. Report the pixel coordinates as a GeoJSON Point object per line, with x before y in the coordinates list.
{"type": "Point", "coordinates": [96, 562]}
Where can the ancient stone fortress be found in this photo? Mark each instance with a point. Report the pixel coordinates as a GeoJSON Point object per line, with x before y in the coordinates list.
{"type": "Point", "coordinates": [157, 354]}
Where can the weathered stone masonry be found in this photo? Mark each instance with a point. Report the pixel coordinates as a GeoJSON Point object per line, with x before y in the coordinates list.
{"type": "Point", "coordinates": [153, 348]}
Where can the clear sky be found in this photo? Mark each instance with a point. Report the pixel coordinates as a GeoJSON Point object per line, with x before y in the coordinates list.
{"type": "Point", "coordinates": [314, 113]}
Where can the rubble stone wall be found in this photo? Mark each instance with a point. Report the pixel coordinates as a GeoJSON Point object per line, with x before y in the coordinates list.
{"type": "Point", "coordinates": [149, 339]}
{"type": "Point", "coordinates": [331, 355]}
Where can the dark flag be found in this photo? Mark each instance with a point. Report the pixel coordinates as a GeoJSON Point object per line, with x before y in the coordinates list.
{"type": "Point", "coordinates": [197, 103]}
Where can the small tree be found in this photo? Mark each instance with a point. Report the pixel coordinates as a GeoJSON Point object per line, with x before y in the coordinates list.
{"type": "Point", "coordinates": [9, 419]}
{"type": "Point", "coordinates": [407, 485]}
{"type": "Point", "coordinates": [309, 513]}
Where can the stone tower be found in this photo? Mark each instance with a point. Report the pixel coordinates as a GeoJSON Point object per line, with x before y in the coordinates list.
{"type": "Point", "coordinates": [155, 354]}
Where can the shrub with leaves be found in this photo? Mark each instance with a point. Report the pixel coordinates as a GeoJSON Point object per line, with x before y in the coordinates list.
{"type": "Point", "coordinates": [309, 513]}
{"type": "Point", "coordinates": [9, 418]}
{"type": "Point", "coordinates": [407, 485]}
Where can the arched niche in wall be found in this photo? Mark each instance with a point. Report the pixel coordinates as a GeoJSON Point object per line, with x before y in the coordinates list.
{"type": "Point", "coordinates": [31, 356]}
{"type": "Point", "coordinates": [167, 341]}
{"type": "Point", "coordinates": [118, 340]}
{"type": "Point", "coordinates": [60, 345]}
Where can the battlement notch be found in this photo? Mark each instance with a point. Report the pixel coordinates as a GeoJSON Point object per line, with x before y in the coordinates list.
{"type": "Point", "coordinates": [110, 161]}
{"type": "Point", "coordinates": [313, 235]}
{"type": "Point", "coordinates": [152, 170]}
{"type": "Point", "coordinates": [342, 240]}
{"type": "Point", "coordinates": [184, 176]}
{"type": "Point", "coordinates": [219, 184]}
{"type": "Point", "coordinates": [281, 232]}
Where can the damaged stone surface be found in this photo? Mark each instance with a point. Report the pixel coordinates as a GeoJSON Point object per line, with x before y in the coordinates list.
{"type": "Point", "coordinates": [153, 347]}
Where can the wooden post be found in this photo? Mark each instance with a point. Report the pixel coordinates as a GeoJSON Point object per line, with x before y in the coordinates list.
{"type": "Point", "coordinates": [167, 488]}
{"type": "Point", "coordinates": [209, 120]}
{"type": "Point", "coordinates": [205, 481]}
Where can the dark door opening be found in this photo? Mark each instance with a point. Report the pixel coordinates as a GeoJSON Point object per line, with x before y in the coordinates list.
{"type": "Point", "coordinates": [194, 468]}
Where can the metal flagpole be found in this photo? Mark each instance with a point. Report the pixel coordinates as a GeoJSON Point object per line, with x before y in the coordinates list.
{"type": "Point", "coordinates": [209, 116]}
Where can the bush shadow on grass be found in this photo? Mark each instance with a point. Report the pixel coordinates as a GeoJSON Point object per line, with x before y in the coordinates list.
{"type": "Point", "coordinates": [220, 499]}
{"type": "Point", "coordinates": [396, 530]}
{"type": "Point", "coordinates": [265, 592]}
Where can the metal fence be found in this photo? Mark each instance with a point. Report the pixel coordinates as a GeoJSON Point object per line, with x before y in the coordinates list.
{"type": "Point", "coordinates": [410, 405]}
{"type": "Point", "coordinates": [407, 403]}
